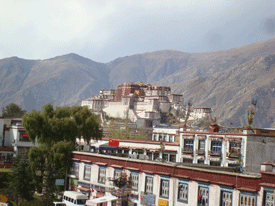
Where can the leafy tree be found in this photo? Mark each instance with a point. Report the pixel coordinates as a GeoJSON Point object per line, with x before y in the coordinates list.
{"type": "Point", "coordinates": [20, 180]}
{"type": "Point", "coordinates": [61, 124]}
{"type": "Point", "coordinates": [56, 130]}
{"type": "Point", "coordinates": [12, 110]}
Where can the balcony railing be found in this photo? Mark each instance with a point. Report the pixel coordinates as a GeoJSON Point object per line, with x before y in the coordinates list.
{"type": "Point", "coordinates": [200, 152]}
{"type": "Point", "coordinates": [234, 155]}
{"type": "Point", "coordinates": [187, 150]}
{"type": "Point", "coordinates": [214, 153]}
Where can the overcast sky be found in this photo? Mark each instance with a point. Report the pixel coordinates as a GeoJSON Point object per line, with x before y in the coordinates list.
{"type": "Point", "coordinates": [103, 30]}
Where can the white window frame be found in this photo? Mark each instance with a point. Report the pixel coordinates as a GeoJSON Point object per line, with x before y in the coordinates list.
{"type": "Point", "coordinates": [164, 187]}
{"type": "Point", "coordinates": [226, 197]}
{"type": "Point", "coordinates": [183, 191]}
{"type": "Point", "coordinates": [248, 199]}
{"type": "Point", "coordinates": [75, 169]}
{"type": "Point", "coordinates": [87, 172]}
{"type": "Point", "coordinates": [269, 197]}
{"type": "Point", "coordinates": [149, 182]}
{"type": "Point", "coordinates": [102, 175]}
{"type": "Point", "coordinates": [204, 191]}
{"type": "Point", "coordinates": [134, 180]}
{"type": "Point", "coordinates": [117, 173]}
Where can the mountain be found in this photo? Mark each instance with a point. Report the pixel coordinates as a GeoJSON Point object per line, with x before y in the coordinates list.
{"type": "Point", "coordinates": [224, 80]}
{"type": "Point", "coordinates": [64, 80]}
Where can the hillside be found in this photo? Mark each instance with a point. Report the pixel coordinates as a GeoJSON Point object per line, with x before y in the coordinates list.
{"type": "Point", "coordinates": [223, 80]}
{"type": "Point", "coordinates": [229, 93]}
{"type": "Point", "coordinates": [64, 80]}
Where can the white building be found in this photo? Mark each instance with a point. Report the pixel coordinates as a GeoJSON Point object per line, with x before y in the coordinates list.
{"type": "Point", "coordinates": [246, 150]}
{"type": "Point", "coordinates": [135, 101]}
{"type": "Point", "coordinates": [14, 139]}
{"type": "Point", "coordinates": [171, 184]}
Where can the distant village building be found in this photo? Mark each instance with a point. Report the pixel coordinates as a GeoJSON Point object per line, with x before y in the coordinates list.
{"type": "Point", "coordinates": [135, 101]}
{"type": "Point", "coordinates": [200, 112]}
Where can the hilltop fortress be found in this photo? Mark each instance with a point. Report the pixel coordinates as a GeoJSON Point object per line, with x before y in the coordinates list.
{"type": "Point", "coordinates": [135, 101]}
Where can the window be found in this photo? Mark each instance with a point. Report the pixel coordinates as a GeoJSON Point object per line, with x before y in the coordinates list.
{"type": "Point", "coordinates": [226, 198]}
{"type": "Point", "coordinates": [203, 196]}
{"type": "Point", "coordinates": [156, 155]}
{"type": "Point", "coordinates": [269, 197]}
{"type": "Point", "coordinates": [117, 173]}
{"type": "Point", "coordinates": [188, 144]}
{"type": "Point", "coordinates": [201, 144]}
{"type": "Point", "coordinates": [75, 169]}
{"type": "Point", "coordinates": [165, 157]}
{"type": "Point", "coordinates": [171, 138]}
{"type": "Point", "coordinates": [235, 146]}
{"type": "Point", "coordinates": [186, 160]}
{"type": "Point", "coordinates": [134, 180]}
{"type": "Point", "coordinates": [87, 172]}
{"type": "Point", "coordinates": [102, 175]}
{"type": "Point", "coordinates": [247, 199]}
{"type": "Point", "coordinates": [149, 184]}
{"type": "Point", "coordinates": [200, 161]}
{"type": "Point", "coordinates": [215, 163]}
{"type": "Point", "coordinates": [172, 158]}
{"type": "Point", "coordinates": [164, 187]}
{"type": "Point", "coordinates": [183, 192]}
{"type": "Point", "coordinates": [216, 146]}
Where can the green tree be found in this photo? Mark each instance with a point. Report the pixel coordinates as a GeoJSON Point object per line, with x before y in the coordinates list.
{"type": "Point", "coordinates": [20, 180]}
{"type": "Point", "coordinates": [56, 130]}
{"type": "Point", "coordinates": [61, 124]}
{"type": "Point", "coordinates": [12, 110]}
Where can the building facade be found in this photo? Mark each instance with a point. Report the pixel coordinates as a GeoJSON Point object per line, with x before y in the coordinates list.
{"type": "Point", "coordinates": [171, 184]}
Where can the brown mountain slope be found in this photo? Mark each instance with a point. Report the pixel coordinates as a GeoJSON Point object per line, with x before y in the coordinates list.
{"type": "Point", "coordinates": [65, 80]}
{"type": "Point", "coordinates": [168, 67]}
{"type": "Point", "coordinates": [229, 92]}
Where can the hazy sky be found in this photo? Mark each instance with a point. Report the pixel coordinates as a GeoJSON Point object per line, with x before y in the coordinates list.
{"type": "Point", "coordinates": [104, 30]}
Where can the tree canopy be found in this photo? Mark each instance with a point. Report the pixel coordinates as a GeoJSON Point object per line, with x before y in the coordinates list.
{"type": "Point", "coordinates": [52, 125]}
{"type": "Point", "coordinates": [12, 110]}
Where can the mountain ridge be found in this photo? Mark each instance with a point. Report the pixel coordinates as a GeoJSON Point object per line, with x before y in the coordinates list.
{"type": "Point", "coordinates": [213, 79]}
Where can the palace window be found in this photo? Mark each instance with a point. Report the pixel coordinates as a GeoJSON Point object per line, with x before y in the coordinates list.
{"type": "Point", "coordinates": [149, 184]}
{"type": "Point", "coordinates": [203, 196]}
{"type": "Point", "coordinates": [134, 180]}
{"type": "Point", "coordinates": [164, 187]}
{"type": "Point", "coordinates": [247, 199]}
{"type": "Point", "coordinates": [87, 172]}
{"type": "Point", "coordinates": [102, 175]}
{"type": "Point", "coordinates": [183, 191]}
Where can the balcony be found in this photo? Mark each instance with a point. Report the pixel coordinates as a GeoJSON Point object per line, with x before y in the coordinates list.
{"type": "Point", "coordinates": [235, 155]}
{"type": "Point", "coordinates": [200, 152]}
{"type": "Point", "coordinates": [187, 150]}
{"type": "Point", "coordinates": [213, 153]}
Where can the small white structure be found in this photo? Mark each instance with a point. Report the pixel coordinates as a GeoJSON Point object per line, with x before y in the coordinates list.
{"type": "Point", "coordinates": [108, 200]}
